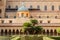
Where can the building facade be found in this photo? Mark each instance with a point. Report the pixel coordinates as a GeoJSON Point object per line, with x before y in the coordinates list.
{"type": "Point", "coordinates": [13, 13]}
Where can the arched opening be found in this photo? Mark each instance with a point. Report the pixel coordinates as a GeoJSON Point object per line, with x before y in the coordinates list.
{"type": "Point", "coordinates": [22, 14]}
{"type": "Point", "coordinates": [51, 32]}
{"type": "Point", "coordinates": [9, 31]}
{"type": "Point", "coordinates": [52, 7]}
{"type": "Point", "coordinates": [21, 31]}
{"type": "Point", "coordinates": [55, 32]}
{"type": "Point", "coordinates": [27, 15]}
{"type": "Point", "coordinates": [6, 32]}
{"type": "Point", "coordinates": [17, 31]}
{"type": "Point", "coordinates": [13, 32]}
{"type": "Point", "coordinates": [44, 32]}
{"type": "Point", "coordinates": [47, 32]}
{"type": "Point", "coordinates": [39, 16]}
{"type": "Point", "coordinates": [2, 31]}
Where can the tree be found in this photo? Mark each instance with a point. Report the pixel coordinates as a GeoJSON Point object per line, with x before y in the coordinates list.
{"type": "Point", "coordinates": [27, 24]}
{"type": "Point", "coordinates": [34, 21]}
{"type": "Point", "coordinates": [31, 27]}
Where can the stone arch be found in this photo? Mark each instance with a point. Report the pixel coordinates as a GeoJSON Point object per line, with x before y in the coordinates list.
{"type": "Point", "coordinates": [21, 31]}
{"type": "Point", "coordinates": [47, 32]}
{"type": "Point", "coordinates": [51, 32]}
{"type": "Point", "coordinates": [17, 31]}
{"type": "Point", "coordinates": [2, 31]}
{"type": "Point", "coordinates": [55, 32]}
{"type": "Point", "coordinates": [44, 32]}
{"type": "Point", "coordinates": [9, 31]}
{"type": "Point", "coordinates": [13, 31]}
{"type": "Point", "coordinates": [6, 32]}
{"type": "Point", "coordinates": [27, 15]}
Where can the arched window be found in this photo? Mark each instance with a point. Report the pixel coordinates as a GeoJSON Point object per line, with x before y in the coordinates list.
{"type": "Point", "coordinates": [10, 21]}
{"type": "Point", "coordinates": [17, 31]}
{"type": "Point", "coordinates": [47, 16]}
{"type": "Point", "coordinates": [9, 6]}
{"type": "Point", "coordinates": [9, 31]}
{"type": "Point", "coordinates": [59, 7]}
{"type": "Point", "coordinates": [44, 32]}
{"type": "Point", "coordinates": [30, 6]}
{"type": "Point", "coordinates": [47, 32]}
{"type": "Point", "coordinates": [55, 32]}
{"type": "Point", "coordinates": [6, 16]}
{"type": "Point", "coordinates": [14, 16]}
{"type": "Point", "coordinates": [40, 21]}
{"type": "Point", "coordinates": [39, 16]}
{"type": "Point", "coordinates": [6, 32]}
{"type": "Point", "coordinates": [2, 21]}
{"type": "Point", "coordinates": [51, 32]}
{"type": "Point", "coordinates": [2, 31]}
{"type": "Point", "coordinates": [13, 31]}
{"type": "Point", "coordinates": [26, 15]}
{"type": "Point", "coordinates": [22, 14]}
{"type": "Point", "coordinates": [55, 16]}
{"type": "Point", "coordinates": [52, 7]}
{"type": "Point", "coordinates": [45, 8]}
{"type": "Point", "coordinates": [38, 7]}
{"type": "Point", "coordinates": [48, 21]}
{"type": "Point", "coordinates": [16, 7]}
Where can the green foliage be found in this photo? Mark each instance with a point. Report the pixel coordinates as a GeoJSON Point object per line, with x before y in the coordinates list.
{"type": "Point", "coordinates": [19, 39]}
{"type": "Point", "coordinates": [34, 21]}
{"type": "Point", "coordinates": [55, 38]}
{"type": "Point", "coordinates": [31, 28]}
{"type": "Point", "coordinates": [35, 37]}
{"type": "Point", "coordinates": [27, 24]}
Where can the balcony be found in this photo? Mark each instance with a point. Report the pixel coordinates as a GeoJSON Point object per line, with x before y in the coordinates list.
{"type": "Point", "coordinates": [20, 24]}
{"type": "Point", "coordinates": [11, 9]}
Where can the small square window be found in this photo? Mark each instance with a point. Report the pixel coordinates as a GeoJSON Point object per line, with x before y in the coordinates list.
{"type": "Point", "coordinates": [41, 21]}
{"type": "Point", "coordinates": [47, 16]}
{"type": "Point", "coordinates": [14, 16]}
{"type": "Point", "coordinates": [2, 21]}
{"type": "Point", "coordinates": [10, 21]}
{"type": "Point", "coordinates": [48, 21]}
{"type": "Point", "coordinates": [39, 16]}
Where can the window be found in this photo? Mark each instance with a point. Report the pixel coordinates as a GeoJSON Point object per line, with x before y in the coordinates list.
{"type": "Point", "coordinates": [38, 7]}
{"type": "Point", "coordinates": [39, 16]}
{"type": "Point", "coordinates": [14, 16]}
{"type": "Point", "coordinates": [59, 7]}
{"type": "Point", "coordinates": [0, 16]}
{"type": "Point", "coordinates": [16, 7]}
{"type": "Point", "coordinates": [45, 7]}
{"type": "Point", "coordinates": [22, 14]}
{"type": "Point", "coordinates": [2, 21]}
{"type": "Point", "coordinates": [47, 16]}
{"type": "Point", "coordinates": [55, 16]}
{"type": "Point", "coordinates": [30, 6]}
{"type": "Point", "coordinates": [26, 15]}
{"type": "Point", "coordinates": [48, 21]}
{"type": "Point", "coordinates": [10, 21]}
{"type": "Point", "coordinates": [0, 10]}
{"type": "Point", "coordinates": [6, 16]}
{"type": "Point", "coordinates": [52, 7]}
{"type": "Point", "coordinates": [9, 6]}
{"type": "Point", "coordinates": [41, 21]}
